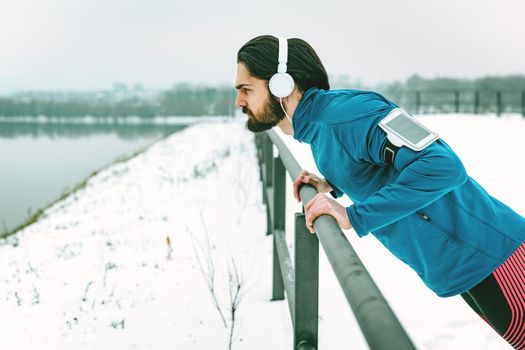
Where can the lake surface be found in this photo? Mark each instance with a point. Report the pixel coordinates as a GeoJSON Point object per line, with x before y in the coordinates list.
{"type": "Point", "coordinates": [40, 161]}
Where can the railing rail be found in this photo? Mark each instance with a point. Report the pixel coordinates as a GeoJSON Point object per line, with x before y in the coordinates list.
{"type": "Point", "coordinates": [459, 100]}
{"type": "Point", "coordinates": [378, 323]}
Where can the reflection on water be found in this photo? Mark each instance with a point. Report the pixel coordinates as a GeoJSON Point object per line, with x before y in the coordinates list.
{"type": "Point", "coordinates": [40, 161]}
{"type": "Point", "coordinates": [124, 131]}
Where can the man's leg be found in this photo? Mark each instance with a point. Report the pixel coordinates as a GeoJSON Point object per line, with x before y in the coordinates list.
{"type": "Point", "coordinates": [489, 302]}
{"type": "Point", "coordinates": [470, 301]}
{"type": "Point", "coordinates": [500, 299]}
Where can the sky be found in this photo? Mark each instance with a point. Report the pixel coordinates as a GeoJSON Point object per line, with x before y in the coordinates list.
{"type": "Point", "coordinates": [90, 45]}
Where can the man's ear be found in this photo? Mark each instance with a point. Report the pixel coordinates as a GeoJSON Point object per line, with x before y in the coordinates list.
{"type": "Point", "coordinates": [297, 93]}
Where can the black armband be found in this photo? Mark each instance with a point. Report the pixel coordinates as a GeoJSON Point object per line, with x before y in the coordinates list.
{"type": "Point", "coordinates": [335, 192]}
{"type": "Point", "coordinates": [389, 152]}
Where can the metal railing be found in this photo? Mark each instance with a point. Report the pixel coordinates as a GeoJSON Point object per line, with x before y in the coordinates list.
{"type": "Point", "coordinates": [300, 280]}
{"type": "Point", "coordinates": [476, 101]}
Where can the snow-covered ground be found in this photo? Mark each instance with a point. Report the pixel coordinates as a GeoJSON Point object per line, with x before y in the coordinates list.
{"type": "Point", "coordinates": [120, 264]}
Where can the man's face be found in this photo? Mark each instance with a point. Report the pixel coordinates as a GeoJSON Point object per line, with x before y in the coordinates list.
{"type": "Point", "coordinates": [253, 96]}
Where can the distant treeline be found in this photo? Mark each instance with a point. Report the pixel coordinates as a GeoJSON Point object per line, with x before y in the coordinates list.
{"type": "Point", "coordinates": [182, 100]}
{"type": "Point", "coordinates": [497, 94]}
{"type": "Point", "coordinates": [502, 94]}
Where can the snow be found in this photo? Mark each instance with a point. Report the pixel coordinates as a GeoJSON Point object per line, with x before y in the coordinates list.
{"type": "Point", "coordinates": [97, 271]}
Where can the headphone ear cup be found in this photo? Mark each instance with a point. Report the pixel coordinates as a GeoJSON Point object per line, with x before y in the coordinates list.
{"type": "Point", "coordinates": [281, 85]}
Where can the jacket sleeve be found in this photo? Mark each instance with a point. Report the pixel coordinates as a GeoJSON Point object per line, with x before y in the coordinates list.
{"type": "Point", "coordinates": [423, 177]}
{"type": "Point", "coordinates": [336, 191]}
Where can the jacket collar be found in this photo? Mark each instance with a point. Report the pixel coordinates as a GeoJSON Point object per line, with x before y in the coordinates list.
{"type": "Point", "coordinates": [303, 115]}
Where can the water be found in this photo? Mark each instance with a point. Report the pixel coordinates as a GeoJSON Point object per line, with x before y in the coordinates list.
{"type": "Point", "coordinates": [40, 161]}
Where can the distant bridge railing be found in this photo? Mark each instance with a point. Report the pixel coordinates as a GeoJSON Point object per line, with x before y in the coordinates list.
{"type": "Point", "coordinates": [300, 279]}
{"type": "Point", "coordinates": [477, 101]}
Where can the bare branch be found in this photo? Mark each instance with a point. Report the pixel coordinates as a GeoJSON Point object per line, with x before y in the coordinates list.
{"type": "Point", "coordinates": [204, 256]}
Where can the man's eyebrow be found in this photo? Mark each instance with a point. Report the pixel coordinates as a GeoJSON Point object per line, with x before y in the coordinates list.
{"type": "Point", "coordinates": [240, 86]}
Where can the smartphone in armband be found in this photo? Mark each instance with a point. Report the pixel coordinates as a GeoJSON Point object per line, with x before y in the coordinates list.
{"type": "Point", "coordinates": [402, 129]}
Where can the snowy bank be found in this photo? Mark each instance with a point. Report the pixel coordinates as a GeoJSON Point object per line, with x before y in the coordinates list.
{"type": "Point", "coordinates": [97, 271]}
{"type": "Point", "coordinates": [116, 264]}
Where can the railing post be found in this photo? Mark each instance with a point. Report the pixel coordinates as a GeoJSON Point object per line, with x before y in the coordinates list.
{"type": "Point", "coordinates": [476, 102]}
{"type": "Point", "coordinates": [279, 194]}
{"type": "Point", "coordinates": [277, 279]}
{"type": "Point", "coordinates": [498, 102]}
{"type": "Point", "coordinates": [267, 161]}
{"type": "Point", "coordinates": [260, 140]}
{"type": "Point", "coordinates": [456, 100]}
{"type": "Point", "coordinates": [418, 101]}
{"type": "Point", "coordinates": [279, 211]}
{"type": "Point", "coordinates": [523, 103]}
{"type": "Point", "coordinates": [306, 285]}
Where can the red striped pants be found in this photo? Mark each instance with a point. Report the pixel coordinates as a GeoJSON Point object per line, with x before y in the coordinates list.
{"type": "Point", "coordinates": [500, 299]}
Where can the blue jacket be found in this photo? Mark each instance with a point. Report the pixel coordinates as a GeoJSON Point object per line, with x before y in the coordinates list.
{"type": "Point", "coordinates": [424, 207]}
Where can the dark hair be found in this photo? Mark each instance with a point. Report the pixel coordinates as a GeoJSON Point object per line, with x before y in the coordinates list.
{"type": "Point", "coordinates": [260, 55]}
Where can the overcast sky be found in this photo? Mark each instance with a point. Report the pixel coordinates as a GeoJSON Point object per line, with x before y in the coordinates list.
{"type": "Point", "coordinates": [90, 44]}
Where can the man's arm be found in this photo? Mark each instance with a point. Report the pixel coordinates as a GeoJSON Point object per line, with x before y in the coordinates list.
{"type": "Point", "coordinates": [424, 177]}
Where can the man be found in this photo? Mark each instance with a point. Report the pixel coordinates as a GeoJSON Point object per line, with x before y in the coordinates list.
{"type": "Point", "coordinates": [421, 205]}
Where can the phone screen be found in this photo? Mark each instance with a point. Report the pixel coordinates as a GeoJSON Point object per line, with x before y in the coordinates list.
{"type": "Point", "coordinates": [408, 129]}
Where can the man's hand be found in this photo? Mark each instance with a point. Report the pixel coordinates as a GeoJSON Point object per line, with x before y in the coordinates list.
{"type": "Point", "coordinates": [320, 184]}
{"type": "Point", "coordinates": [321, 204]}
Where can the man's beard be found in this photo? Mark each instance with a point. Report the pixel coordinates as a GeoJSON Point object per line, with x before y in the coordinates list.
{"type": "Point", "coordinates": [271, 114]}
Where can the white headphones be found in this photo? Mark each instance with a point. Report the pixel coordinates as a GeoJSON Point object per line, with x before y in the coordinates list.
{"type": "Point", "coordinates": [281, 83]}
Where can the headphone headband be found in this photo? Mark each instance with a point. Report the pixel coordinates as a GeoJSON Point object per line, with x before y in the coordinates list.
{"type": "Point", "coordinates": [283, 55]}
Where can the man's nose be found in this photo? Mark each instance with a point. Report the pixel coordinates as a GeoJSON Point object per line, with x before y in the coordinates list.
{"type": "Point", "coordinates": [239, 101]}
